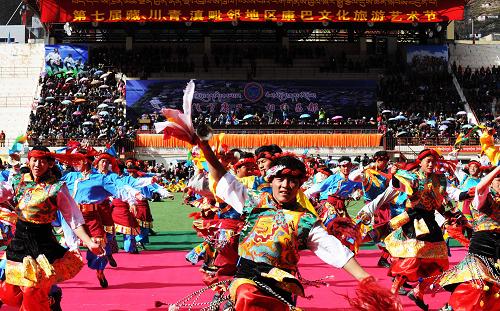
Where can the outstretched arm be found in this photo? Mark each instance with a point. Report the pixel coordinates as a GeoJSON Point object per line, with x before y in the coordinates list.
{"type": "Point", "coordinates": [73, 216]}
{"type": "Point", "coordinates": [329, 249]}
{"type": "Point", "coordinates": [353, 268]}
{"type": "Point", "coordinates": [483, 189]}
{"type": "Point", "coordinates": [388, 195]}
{"type": "Point", "coordinates": [486, 181]}
{"type": "Point", "coordinates": [217, 171]}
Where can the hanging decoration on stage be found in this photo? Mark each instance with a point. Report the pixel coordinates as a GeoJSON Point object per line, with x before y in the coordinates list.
{"type": "Point", "coordinates": [396, 11]}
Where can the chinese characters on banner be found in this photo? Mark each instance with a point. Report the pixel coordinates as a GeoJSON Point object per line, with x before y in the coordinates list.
{"type": "Point", "coordinates": [398, 11]}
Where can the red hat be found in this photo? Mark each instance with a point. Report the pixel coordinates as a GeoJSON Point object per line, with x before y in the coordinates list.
{"type": "Point", "coordinates": [244, 161]}
{"type": "Point", "coordinates": [110, 158]}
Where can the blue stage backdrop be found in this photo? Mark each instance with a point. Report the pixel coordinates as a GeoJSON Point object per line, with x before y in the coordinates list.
{"type": "Point", "coordinates": [347, 98]}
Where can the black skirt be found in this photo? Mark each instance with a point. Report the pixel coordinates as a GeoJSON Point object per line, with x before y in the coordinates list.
{"type": "Point", "coordinates": [32, 240]}
{"type": "Point", "coordinates": [252, 270]}
{"type": "Point", "coordinates": [485, 243]}
{"type": "Point", "coordinates": [435, 232]}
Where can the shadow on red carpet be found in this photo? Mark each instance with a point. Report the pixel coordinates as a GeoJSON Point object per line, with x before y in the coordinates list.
{"type": "Point", "coordinates": [140, 280]}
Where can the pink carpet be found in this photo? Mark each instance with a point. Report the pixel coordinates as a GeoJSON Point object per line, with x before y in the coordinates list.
{"type": "Point", "coordinates": [142, 279]}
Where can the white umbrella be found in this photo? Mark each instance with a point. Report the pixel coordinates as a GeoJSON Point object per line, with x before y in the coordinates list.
{"type": "Point", "coordinates": [443, 127]}
{"type": "Point", "coordinates": [66, 102]}
{"type": "Point", "coordinates": [248, 116]}
{"type": "Point", "coordinates": [461, 113]}
{"type": "Point", "coordinates": [77, 113]}
{"type": "Point", "coordinates": [402, 133]}
{"type": "Point", "coordinates": [84, 79]}
{"type": "Point", "coordinates": [400, 118]}
{"type": "Point", "coordinates": [386, 111]}
{"type": "Point", "coordinates": [104, 86]}
{"type": "Point", "coordinates": [49, 99]}
{"type": "Point", "coordinates": [94, 117]}
{"type": "Point", "coordinates": [102, 106]}
{"type": "Point", "coordinates": [451, 119]}
{"type": "Point", "coordinates": [103, 113]}
{"type": "Point", "coordinates": [105, 75]}
{"type": "Point", "coordinates": [467, 126]}
{"type": "Point", "coordinates": [88, 123]}
{"type": "Point", "coordinates": [118, 100]}
{"type": "Point", "coordinates": [69, 79]}
{"type": "Point", "coordinates": [337, 118]}
{"type": "Point", "coordinates": [95, 82]}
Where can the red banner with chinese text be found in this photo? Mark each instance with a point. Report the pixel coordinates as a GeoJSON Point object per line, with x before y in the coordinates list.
{"type": "Point", "coordinates": [398, 11]}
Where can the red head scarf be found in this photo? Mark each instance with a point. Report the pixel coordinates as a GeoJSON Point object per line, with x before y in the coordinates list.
{"type": "Point", "coordinates": [110, 158]}
{"type": "Point", "coordinates": [69, 159]}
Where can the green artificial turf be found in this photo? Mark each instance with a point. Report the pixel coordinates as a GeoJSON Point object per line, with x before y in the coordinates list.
{"type": "Point", "coordinates": [174, 227]}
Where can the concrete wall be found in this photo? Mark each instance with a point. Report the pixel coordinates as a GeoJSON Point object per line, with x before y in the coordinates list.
{"type": "Point", "coordinates": [475, 55]}
{"type": "Point", "coordinates": [17, 33]}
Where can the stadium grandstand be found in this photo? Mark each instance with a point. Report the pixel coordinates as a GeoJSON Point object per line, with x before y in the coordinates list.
{"type": "Point", "coordinates": [322, 79]}
{"type": "Point", "coordinates": [357, 66]}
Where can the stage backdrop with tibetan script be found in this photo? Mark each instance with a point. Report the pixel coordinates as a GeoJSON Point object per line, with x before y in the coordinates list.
{"type": "Point", "coordinates": [278, 99]}
{"type": "Point", "coordinates": [399, 11]}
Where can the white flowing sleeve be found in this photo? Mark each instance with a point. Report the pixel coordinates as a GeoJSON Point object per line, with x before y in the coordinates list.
{"type": "Point", "coordinates": [327, 247]}
{"type": "Point", "coordinates": [164, 193]}
{"type": "Point", "coordinates": [128, 194]}
{"type": "Point", "coordinates": [453, 193]}
{"type": "Point", "coordinates": [6, 191]}
{"type": "Point", "coordinates": [388, 195]}
{"type": "Point", "coordinates": [480, 199]}
{"type": "Point", "coordinates": [320, 187]}
{"type": "Point", "coordinates": [69, 209]}
{"type": "Point", "coordinates": [143, 182]}
{"type": "Point", "coordinates": [231, 191]}
{"type": "Point", "coordinates": [357, 175]}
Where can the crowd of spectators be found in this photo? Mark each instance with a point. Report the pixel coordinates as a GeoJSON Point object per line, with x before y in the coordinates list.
{"type": "Point", "coordinates": [425, 86]}
{"type": "Point", "coordinates": [170, 171]}
{"type": "Point", "coordinates": [480, 87]}
{"type": "Point", "coordinates": [257, 120]}
{"type": "Point", "coordinates": [418, 100]}
{"type": "Point", "coordinates": [421, 102]}
{"type": "Point", "coordinates": [85, 105]}
{"type": "Point", "coordinates": [141, 62]}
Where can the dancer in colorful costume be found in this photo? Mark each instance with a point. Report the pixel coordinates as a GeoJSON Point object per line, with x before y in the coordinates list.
{"type": "Point", "coordinates": [92, 190]}
{"type": "Point", "coordinates": [375, 179]}
{"type": "Point", "coordinates": [417, 246]}
{"type": "Point", "coordinates": [332, 210]}
{"type": "Point", "coordinates": [219, 224]}
{"type": "Point", "coordinates": [276, 228]}
{"type": "Point", "coordinates": [475, 281]}
{"type": "Point", "coordinates": [142, 210]}
{"type": "Point", "coordinates": [334, 191]}
{"type": "Point", "coordinates": [459, 219]}
{"type": "Point", "coordinates": [35, 261]}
